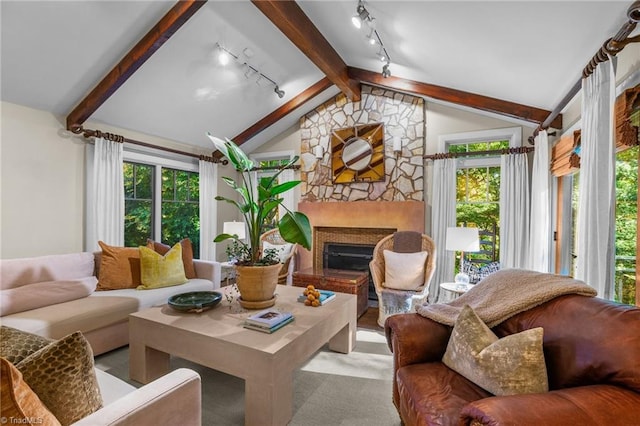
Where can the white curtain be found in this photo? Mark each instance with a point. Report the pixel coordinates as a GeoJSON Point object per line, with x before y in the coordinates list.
{"type": "Point", "coordinates": [107, 206]}
{"type": "Point", "coordinates": [595, 238]}
{"type": "Point", "coordinates": [208, 209]}
{"type": "Point", "coordinates": [443, 215]}
{"type": "Point", "coordinates": [514, 211]}
{"type": "Point", "coordinates": [540, 241]}
{"type": "Point", "coordinates": [287, 198]}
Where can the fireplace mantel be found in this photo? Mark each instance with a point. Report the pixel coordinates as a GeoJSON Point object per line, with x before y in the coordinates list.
{"type": "Point", "coordinates": [394, 215]}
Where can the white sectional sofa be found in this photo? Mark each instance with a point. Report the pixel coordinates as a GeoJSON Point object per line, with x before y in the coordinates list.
{"type": "Point", "coordinates": [55, 295]}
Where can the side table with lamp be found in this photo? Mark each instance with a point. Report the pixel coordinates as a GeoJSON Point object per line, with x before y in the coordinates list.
{"type": "Point", "coordinates": [461, 239]}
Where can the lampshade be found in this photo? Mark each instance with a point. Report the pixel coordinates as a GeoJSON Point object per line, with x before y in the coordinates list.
{"type": "Point", "coordinates": [463, 239]}
{"type": "Point", "coordinates": [234, 228]}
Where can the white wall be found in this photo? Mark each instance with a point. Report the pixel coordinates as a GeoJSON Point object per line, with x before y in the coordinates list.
{"type": "Point", "coordinates": [42, 182]}
{"type": "Point", "coordinates": [42, 185]}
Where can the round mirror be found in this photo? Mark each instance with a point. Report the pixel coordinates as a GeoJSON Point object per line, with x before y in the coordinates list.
{"type": "Point", "coordinates": [356, 154]}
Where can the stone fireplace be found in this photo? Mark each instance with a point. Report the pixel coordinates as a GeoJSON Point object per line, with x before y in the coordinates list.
{"type": "Point", "coordinates": [356, 222]}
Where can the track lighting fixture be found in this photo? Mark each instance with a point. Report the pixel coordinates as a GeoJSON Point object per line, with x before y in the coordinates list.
{"type": "Point", "coordinates": [224, 57]}
{"type": "Point", "coordinates": [373, 38]}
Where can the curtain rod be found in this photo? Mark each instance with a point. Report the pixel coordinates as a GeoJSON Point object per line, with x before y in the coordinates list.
{"type": "Point", "coordinates": [87, 133]}
{"type": "Point", "coordinates": [610, 47]}
{"type": "Point", "coordinates": [443, 155]}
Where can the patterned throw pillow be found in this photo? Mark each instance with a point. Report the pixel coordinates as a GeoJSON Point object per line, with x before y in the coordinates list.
{"type": "Point", "coordinates": [62, 375]}
{"type": "Point", "coordinates": [508, 366]}
{"type": "Point", "coordinates": [478, 273]}
{"type": "Point", "coordinates": [16, 345]}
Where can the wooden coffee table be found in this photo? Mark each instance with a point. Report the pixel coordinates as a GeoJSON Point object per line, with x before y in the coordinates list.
{"type": "Point", "coordinates": [216, 339]}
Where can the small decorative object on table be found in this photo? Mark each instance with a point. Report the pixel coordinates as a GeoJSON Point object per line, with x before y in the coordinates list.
{"type": "Point", "coordinates": [312, 297]}
{"type": "Point", "coordinates": [268, 320]}
{"type": "Point", "coordinates": [195, 301]}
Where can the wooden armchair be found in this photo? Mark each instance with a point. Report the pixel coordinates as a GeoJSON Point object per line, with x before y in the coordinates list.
{"type": "Point", "coordinates": [286, 252]}
{"type": "Point", "coordinates": [393, 301]}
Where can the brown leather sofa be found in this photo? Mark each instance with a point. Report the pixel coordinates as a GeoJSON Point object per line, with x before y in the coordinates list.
{"type": "Point", "coordinates": [592, 353]}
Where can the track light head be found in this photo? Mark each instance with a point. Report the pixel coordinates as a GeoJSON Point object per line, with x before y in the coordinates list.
{"type": "Point", "coordinates": [223, 56]}
{"type": "Point", "coordinates": [279, 92]}
{"type": "Point", "coordinates": [385, 70]}
{"type": "Point", "coordinates": [362, 15]}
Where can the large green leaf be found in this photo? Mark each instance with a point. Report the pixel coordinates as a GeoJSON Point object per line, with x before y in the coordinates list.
{"type": "Point", "coordinates": [294, 227]}
{"type": "Point", "coordinates": [219, 144]}
{"type": "Point", "coordinates": [237, 156]}
{"type": "Point", "coordinates": [284, 187]}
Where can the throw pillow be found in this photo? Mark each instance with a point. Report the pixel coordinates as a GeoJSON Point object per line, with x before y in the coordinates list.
{"type": "Point", "coordinates": [18, 403]}
{"type": "Point", "coordinates": [283, 250]}
{"type": "Point", "coordinates": [16, 345]}
{"type": "Point", "coordinates": [187, 254]}
{"type": "Point", "coordinates": [119, 267]}
{"type": "Point", "coordinates": [161, 271]}
{"type": "Point", "coordinates": [478, 273]}
{"type": "Point", "coordinates": [404, 271]}
{"type": "Point", "coordinates": [37, 295]}
{"type": "Point", "coordinates": [508, 366]}
{"type": "Point", "coordinates": [62, 376]}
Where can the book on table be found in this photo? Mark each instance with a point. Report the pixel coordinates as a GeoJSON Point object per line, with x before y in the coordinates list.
{"type": "Point", "coordinates": [268, 318]}
{"type": "Point", "coordinates": [325, 296]}
{"type": "Point", "coordinates": [269, 330]}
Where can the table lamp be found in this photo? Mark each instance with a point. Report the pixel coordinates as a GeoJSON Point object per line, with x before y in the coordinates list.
{"type": "Point", "coordinates": [462, 239]}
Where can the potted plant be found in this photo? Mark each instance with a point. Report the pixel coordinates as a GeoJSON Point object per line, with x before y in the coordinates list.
{"type": "Point", "coordinates": [257, 272]}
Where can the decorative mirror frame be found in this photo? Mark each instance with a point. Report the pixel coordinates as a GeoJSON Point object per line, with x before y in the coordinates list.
{"type": "Point", "coordinates": [357, 153]}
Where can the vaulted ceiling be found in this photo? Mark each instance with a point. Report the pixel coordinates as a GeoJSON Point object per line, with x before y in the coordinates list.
{"type": "Point", "coordinates": [515, 58]}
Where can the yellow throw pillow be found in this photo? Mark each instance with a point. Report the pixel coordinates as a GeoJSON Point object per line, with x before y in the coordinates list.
{"type": "Point", "coordinates": [19, 404]}
{"type": "Point", "coordinates": [161, 271]}
{"type": "Point", "coordinates": [187, 254]}
{"type": "Point", "coordinates": [508, 366]}
{"type": "Point", "coordinates": [62, 376]}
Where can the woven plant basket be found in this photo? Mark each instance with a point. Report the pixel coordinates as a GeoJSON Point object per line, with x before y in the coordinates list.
{"type": "Point", "coordinates": [257, 285]}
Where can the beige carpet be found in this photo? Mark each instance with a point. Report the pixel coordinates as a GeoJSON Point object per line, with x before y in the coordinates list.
{"type": "Point", "coordinates": [331, 389]}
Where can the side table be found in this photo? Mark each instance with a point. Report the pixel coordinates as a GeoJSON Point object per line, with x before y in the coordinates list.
{"type": "Point", "coordinates": [338, 280]}
{"type": "Point", "coordinates": [229, 272]}
{"type": "Point", "coordinates": [456, 288]}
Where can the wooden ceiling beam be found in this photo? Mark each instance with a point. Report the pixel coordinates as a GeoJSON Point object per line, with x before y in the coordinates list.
{"type": "Point", "coordinates": [298, 28]}
{"type": "Point", "coordinates": [283, 110]}
{"type": "Point", "coordinates": [484, 103]}
{"type": "Point", "coordinates": [138, 55]}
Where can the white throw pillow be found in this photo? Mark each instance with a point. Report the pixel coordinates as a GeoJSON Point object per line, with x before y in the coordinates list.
{"type": "Point", "coordinates": [404, 271]}
{"type": "Point", "coordinates": [283, 249]}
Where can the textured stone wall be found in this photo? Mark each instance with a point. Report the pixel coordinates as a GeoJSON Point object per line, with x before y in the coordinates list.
{"type": "Point", "coordinates": [402, 116]}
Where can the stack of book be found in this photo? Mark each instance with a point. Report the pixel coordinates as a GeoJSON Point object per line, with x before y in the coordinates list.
{"type": "Point", "coordinates": [268, 320]}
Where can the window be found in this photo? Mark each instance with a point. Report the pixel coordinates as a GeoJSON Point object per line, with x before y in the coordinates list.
{"type": "Point", "coordinates": [161, 201]}
{"type": "Point", "coordinates": [269, 162]}
{"type": "Point", "coordinates": [478, 185]}
{"type": "Point", "coordinates": [626, 225]}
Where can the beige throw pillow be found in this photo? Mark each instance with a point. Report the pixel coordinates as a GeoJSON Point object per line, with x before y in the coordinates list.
{"type": "Point", "coordinates": [62, 376]}
{"type": "Point", "coordinates": [508, 366]}
{"type": "Point", "coordinates": [404, 271]}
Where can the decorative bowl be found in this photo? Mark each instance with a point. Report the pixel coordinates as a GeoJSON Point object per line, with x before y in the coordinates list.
{"type": "Point", "coordinates": [195, 301]}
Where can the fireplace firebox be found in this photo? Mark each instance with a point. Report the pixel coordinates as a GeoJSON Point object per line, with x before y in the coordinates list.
{"type": "Point", "coordinates": [353, 257]}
